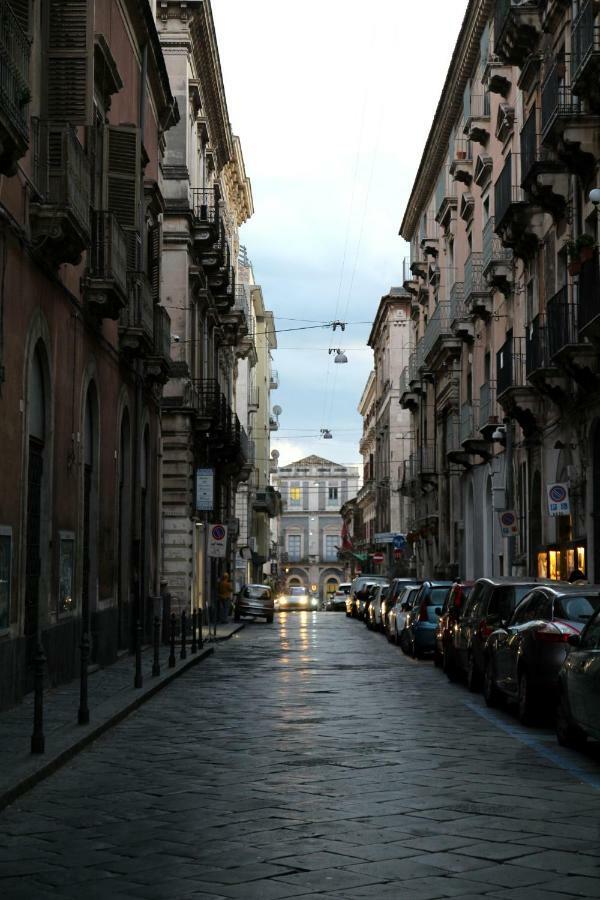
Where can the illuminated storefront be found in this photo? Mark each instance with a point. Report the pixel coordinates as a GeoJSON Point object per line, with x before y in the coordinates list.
{"type": "Point", "coordinates": [557, 561]}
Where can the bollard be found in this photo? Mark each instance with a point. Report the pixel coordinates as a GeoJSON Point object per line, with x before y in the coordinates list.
{"type": "Point", "coordinates": [156, 663]}
{"type": "Point", "coordinates": [38, 741]}
{"type": "Point", "coordinates": [172, 660]}
{"type": "Point", "coordinates": [200, 637]}
{"type": "Point", "coordinates": [138, 681]}
{"type": "Point", "coordinates": [83, 713]}
{"type": "Point", "coordinates": [183, 653]}
{"type": "Point", "coordinates": [194, 647]}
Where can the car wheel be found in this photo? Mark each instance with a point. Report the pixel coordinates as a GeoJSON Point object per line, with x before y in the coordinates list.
{"type": "Point", "coordinates": [448, 664]}
{"type": "Point", "coordinates": [567, 733]}
{"type": "Point", "coordinates": [525, 699]}
{"type": "Point", "coordinates": [473, 678]}
{"type": "Point", "coordinates": [403, 642]}
{"type": "Point", "coordinates": [491, 693]}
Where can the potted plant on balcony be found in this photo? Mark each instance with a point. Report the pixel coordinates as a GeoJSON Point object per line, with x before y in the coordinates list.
{"type": "Point", "coordinates": [574, 264]}
{"type": "Point", "coordinates": [585, 245]}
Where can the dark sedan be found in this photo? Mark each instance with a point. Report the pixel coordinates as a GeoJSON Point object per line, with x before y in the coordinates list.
{"type": "Point", "coordinates": [523, 658]}
{"type": "Point", "coordinates": [448, 622]}
{"type": "Point", "coordinates": [491, 602]}
{"type": "Point", "coordinates": [578, 712]}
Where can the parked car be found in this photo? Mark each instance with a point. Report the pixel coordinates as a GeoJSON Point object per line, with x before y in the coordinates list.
{"type": "Point", "coordinates": [363, 600]}
{"type": "Point", "coordinates": [491, 602]}
{"type": "Point", "coordinates": [254, 600]}
{"type": "Point", "coordinates": [422, 619]}
{"type": "Point", "coordinates": [374, 615]}
{"type": "Point", "coordinates": [578, 710]}
{"type": "Point", "coordinates": [396, 620]}
{"type": "Point", "coordinates": [451, 611]}
{"type": "Point", "coordinates": [356, 586]}
{"type": "Point", "coordinates": [337, 600]}
{"type": "Point", "coordinates": [523, 657]}
{"type": "Point", "coordinates": [297, 598]}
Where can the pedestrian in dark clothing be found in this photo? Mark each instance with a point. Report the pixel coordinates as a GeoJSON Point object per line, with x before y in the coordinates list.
{"type": "Point", "coordinates": [576, 575]}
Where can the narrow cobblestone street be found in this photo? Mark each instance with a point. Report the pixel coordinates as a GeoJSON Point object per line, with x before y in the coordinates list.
{"type": "Point", "coordinates": [311, 759]}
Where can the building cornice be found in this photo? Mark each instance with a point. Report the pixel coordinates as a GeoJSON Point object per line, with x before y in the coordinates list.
{"type": "Point", "coordinates": [400, 298]}
{"type": "Point", "coordinates": [464, 58]}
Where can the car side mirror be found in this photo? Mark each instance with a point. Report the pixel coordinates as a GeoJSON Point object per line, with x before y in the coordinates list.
{"type": "Point", "coordinates": [438, 610]}
{"type": "Point", "coordinates": [574, 640]}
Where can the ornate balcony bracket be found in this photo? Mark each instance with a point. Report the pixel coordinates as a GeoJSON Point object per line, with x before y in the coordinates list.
{"type": "Point", "coordinates": [410, 400]}
{"type": "Point", "coordinates": [478, 447]}
{"type": "Point", "coordinates": [517, 28]}
{"type": "Point", "coordinates": [524, 405]}
{"type": "Point", "coordinates": [460, 458]}
{"type": "Point", "coordinates": [550, 190]}
{"type": "Point", "coordinates": [499, 84]}
{"type": "Point", "coordinates": [580, 362]}
{"type": "Point", "coordinates": [552, 383]}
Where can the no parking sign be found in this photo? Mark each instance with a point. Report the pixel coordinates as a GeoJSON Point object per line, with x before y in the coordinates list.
{"type": "Point", "coordinates": [558, 500]}
{"type": "Point", "coordinates": [508, 523]}
{"type": "Point", "coordinates": [217, 541]}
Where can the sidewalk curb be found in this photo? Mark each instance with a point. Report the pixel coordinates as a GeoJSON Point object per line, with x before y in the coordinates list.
{"type": "Point", "coordinates": [41, 767]}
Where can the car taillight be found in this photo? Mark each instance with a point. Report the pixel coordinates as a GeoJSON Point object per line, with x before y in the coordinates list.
{"type": "Point", "coordinates": [552, 634]}
{"type": "Point", "coordinates": [423, 617]}
{"type": "Point", "coordinates": [485, 630]}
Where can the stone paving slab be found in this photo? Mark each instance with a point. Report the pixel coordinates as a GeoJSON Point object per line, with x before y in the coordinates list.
{"type": "Point", "coordinates": [310, 759]}
{"type": "Point", "coordinates": [111, 697]}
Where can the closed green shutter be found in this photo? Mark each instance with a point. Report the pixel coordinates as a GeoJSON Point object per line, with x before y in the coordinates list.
{"type": "Point", "coordinates": [122, 156]}
{"type": "Point", "coordinates": [154, 261]}
{"type": "Point", "coordinates": [70, 60]}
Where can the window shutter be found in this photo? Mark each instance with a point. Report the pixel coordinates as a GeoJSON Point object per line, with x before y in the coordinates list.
{"type": "Point", "coordinates": [154, 261]}
{"type": "Point", "coordinates": [21, 10]}
{"type": "Point", "coordinates": [122, 155]}
{"type": "Point", "coordinates": [70, 59]}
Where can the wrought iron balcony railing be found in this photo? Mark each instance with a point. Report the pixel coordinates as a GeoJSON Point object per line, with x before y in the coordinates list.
{"type": "Point", "coordinates": [437, 327]}
{"type": "Point", "coordinates": [510, 364]}
{"type": "Point", "coordinates": [487, 404]}
{"type": "Point", "coordinates": [468, 421]}
{"type": "Point", "coordinates": [494, 253]}
{"type": "Point", "coordinates": [458, 308]}
{"type": "Point", "coordinates": [14, 85]}
{"type": "Point", "coordinates": [162, 333]}
{"type": "Point", "coordinates": [475, 283]}
{"type": "Point", "coordinates": [507, 190]}
{"type": "Point", "coordinates": [561, 321]}
{"type": "Point", "coordinates": [205, 205]}
{"type": "Point", "coordinates": [107, 258]}
{"type": "Point", "coordinates": [136, 320]}
{"type": "Point", "coordinates": [537, 354]}
{"type": "Point", "coordinates": [585, 39]}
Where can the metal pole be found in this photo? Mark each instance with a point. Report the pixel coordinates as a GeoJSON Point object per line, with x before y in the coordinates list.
{"type": "Point", "coordinates": [510, 547]}
{"type": "Point", "coordinates": [138, 681]}
{"type": "Point", "coordinates": [172, 660]}
{"type": "Point", "coordinates": [194, 647]}
{"type": "Point", "coordinates": [38, 741]}
{"type": "Point", "coordinates": [83, 714]}
{"type": "Point", "coordinates": [183, 653]}
{"type": "Point", "coordinates": [156, 663]}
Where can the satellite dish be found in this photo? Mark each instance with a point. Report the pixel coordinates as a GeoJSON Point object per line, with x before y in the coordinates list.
{"type": "Point", "coordinates": [277, 410]}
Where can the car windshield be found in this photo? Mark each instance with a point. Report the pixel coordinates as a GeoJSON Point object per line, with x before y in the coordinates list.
{"type": "Point", "coordinates": [257, 592]}
{"type": "Point", "coordinates": [298, 591]}
{"type": "Point", "coordinates": [576, 609]}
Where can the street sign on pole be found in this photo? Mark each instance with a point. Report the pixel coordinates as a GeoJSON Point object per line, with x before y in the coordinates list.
{"type": "Point", "coordinates": [509, 525]}
{"type": "Point", "coordinates": [558, 500]}
{"type": "Point", "coordinates": [217, 541]}
{"type": "Point", "coordinates": [205, 490]}
{"type": "Point", "coordinates": [378, 558]}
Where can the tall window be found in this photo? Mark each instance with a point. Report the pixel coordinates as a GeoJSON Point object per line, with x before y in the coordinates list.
{"type": "Point", "coordinates": [295, 496]}
{"type": "Point", "coordinates": [333, 495]}
{"type": "Point", "coordinates": [294, 547]}
{"type": "Point", "coordinates": [332, 541]}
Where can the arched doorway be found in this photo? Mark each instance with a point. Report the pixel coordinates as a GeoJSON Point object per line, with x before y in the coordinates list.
{"type": "Point", "coordinates": [488, 529]}
{"type": "Point", "coordinates": [331, 586]}
{"type": "Point", "coordinates": [469, 537]}
{"type": "Point", "coordinates": [90, 507]}
{"type": "Point", "coordinates": [124, 528]}
{"type": "Point", "coordinates": [37, 484]}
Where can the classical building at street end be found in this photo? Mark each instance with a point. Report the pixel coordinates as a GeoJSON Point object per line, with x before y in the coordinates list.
{"type": "Point", "coordinates": [312, 492]}
{"type": "Point", "coordinates": [85, 102]}
{"type": "Point", "coordinates": [207, 197]}
{"type": "Point", "coordinates": [502, 385]}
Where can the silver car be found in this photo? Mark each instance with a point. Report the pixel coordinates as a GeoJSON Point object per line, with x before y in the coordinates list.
{"type": "Point", "coordinates": [297, 598]}
{"type": "Point", "coordinates": [254, 600]}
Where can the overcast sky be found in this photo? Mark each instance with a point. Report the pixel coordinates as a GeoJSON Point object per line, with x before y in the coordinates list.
{"type": "Point", "coordinates": [332, 100]}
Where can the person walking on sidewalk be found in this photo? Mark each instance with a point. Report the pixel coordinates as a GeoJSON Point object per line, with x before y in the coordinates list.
{"type": "Point", "coordinates": [225, 592]}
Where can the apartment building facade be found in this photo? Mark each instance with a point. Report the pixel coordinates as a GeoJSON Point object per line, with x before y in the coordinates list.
{"type": "Point", "coordinates": [313, 490]}
{"type": "Point", "coordinates": [84, 340]}
{"type": "Point", "coordinates": [502, 385]}
{"type": "Point", "coordinates": [207, 197]}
